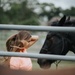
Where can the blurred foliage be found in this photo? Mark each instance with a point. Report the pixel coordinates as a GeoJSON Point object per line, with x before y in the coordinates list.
{"type": "Point", "coordinates": [49, 10]}
{"type": "Point", "coordinates": [19, 13]}
{"type": "Point", "coordinates": [23, 12]}
{"type": "Point", "coordinates": [69, 12]}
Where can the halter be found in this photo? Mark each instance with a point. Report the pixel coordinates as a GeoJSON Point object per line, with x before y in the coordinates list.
{"type": "Point", "coordinates": [62, 39]}
{"type": "Point", "coordinates": [59, 36]}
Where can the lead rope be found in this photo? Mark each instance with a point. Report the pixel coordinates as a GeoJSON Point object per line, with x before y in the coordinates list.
{"type": "Point", "coordinates": [56, 63]}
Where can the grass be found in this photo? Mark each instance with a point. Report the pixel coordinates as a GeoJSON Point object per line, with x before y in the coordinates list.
{"type": "Point", "coordinates": [61, 65]}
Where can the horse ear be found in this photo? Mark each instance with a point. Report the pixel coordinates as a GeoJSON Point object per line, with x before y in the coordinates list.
{"type": "Point", "coordinates": [68, 18]}
{"type": "Point", "coordinates": [62, 21]}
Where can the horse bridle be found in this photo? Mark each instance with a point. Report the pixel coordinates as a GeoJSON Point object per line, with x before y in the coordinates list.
{"type": "Point", "coordinates": [62, 39]}
{"type": "Point", "coordinates": [59, 36]}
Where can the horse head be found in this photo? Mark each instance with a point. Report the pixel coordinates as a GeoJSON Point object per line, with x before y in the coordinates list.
{"type": "Point", "coordinates": [57, 43]}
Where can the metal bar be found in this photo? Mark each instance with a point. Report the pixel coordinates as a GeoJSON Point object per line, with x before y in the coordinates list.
{"type": "Point", "coordinates": [41, 56]}
{"type": "Point", "coordinates": [36, 28]}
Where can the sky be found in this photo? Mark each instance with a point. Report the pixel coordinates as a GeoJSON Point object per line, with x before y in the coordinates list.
{"type": "Point", "coordinates": [60, 3]}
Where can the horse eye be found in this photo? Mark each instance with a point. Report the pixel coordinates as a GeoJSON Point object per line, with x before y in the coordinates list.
{"type": "Point", "coordinates": [51, 39]}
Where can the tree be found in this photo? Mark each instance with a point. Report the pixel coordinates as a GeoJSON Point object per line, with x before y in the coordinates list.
{"type": "Point", "coordinates": [51, 11]}
{"type": "Point", "coordinates": [69, 12]}
{"type": "Point", "coordinates": [20, 13]}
